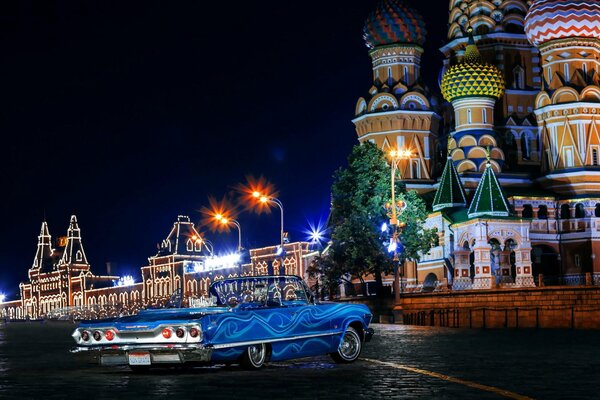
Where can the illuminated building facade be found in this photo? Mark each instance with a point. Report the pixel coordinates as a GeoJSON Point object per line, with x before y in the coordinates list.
{"type": "Point", "coordinates": [518, 194]}
{"type": "Point", "coordinates": [61, 283]}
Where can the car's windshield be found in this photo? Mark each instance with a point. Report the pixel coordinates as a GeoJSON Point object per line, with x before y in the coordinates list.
{"type": "Point", "coordinates": [260, 291]}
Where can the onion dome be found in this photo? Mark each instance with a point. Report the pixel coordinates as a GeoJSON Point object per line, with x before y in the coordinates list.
{"type": "Point", "coordinates": [559, 19]}
{"type": "Point", "coordinates": [472, 77]}
{"type": "Point", "coordinates": [392, 22]}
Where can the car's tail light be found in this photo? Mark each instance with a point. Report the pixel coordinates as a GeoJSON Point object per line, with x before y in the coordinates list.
{"type": "Point", "coordinates": [109, 335]}
{"type": "Point", "coordinates": [167, 333]}
{"type": "Point", "coordinates": [97, 335]}
{"type": "Point", "coordinates": [180, 332]}
{"type": "Point", "coordinates": [194, 332]}
{"type": "Point", "coordinates": [85, 336]}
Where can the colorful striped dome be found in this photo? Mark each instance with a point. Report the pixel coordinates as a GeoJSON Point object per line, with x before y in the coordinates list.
{"type": "Point", "coordinates": [473, 77]}
{"type": "Point", "coordinates": [558, 19]}
{"type": "Point", "coordinates": [393, 22]}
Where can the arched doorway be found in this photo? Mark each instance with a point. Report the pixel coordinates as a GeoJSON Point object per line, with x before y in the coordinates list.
{"type": "Point", "coordinates": [510, 245]}
{"type": "Point", "coordinates": [544, 260]}
{"type": "Point", "coordinates": [430, 282]}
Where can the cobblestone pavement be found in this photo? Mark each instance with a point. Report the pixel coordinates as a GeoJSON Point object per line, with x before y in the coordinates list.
{"type": "Point", "coordinates": [400, 362]}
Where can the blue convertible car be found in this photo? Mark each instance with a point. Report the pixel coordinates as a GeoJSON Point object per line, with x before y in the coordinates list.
{"type": "Point", "coordinates": [250, 320]}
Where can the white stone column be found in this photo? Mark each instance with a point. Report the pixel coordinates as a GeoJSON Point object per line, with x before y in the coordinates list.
{"type": "Point", "coordinates": [524, 276]}
{"type": "Point", "coordinates": [462, 274]}
{"type": "Point", "coordinates": [483, 270]}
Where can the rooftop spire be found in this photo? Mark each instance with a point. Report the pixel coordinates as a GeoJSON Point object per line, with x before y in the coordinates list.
{"type": "Point", "coordinates": [74, 253]}
{"type": "Point", "coordinates": [43, 255]}
{"type": "Point", "coordinates": [489, 199]}
{"type": "Point", "coordinates": [450, 193]}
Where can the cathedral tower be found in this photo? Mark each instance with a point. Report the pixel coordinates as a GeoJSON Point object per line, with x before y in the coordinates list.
{"type": "Point", "coordinates": [498, 28]}
{"type": "Point", "coordinates": [398, 112]}
{"type": "Point", "coordinates": [473, 86]}
{"type": "Point", "coordinates": [567, 34]}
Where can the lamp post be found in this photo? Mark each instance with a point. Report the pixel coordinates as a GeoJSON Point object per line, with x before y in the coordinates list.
{"type": "Point", "coordinates": [226, 221]}
{"type": "Point", "coordinates": [266, 200]}
{"type": "Point", "coordinates": [396, 156]}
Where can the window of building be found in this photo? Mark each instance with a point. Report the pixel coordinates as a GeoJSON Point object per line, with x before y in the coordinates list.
{"type": "Point", "coordinates": [542, 212]}
{"type": "Point", "coordinates": [519, 77]}
{"type": "Point", "coordinates": [484, 116]}
{"type": "Point", "coordinates": [577, 261]}
{"type": "Point", "coordinates": [190, 245]}
{"type": "Point", "coordinates": [400, 142]}
{"type": "Point", "coordinates": [567, 77]}
{"type": "Point", "coordinates": [594, 156]}
{"type": "Point", "coordinates": [549, 74]}
{"type": "Point", "coordinates": [79, 256]}
{"type": "Point", "coordinates": [390, 75]}
{"type": "Point", "coordinates": [469, 118]}
{"type": "Point", "coordinates": [524, 147]}
{"type": "Point", "coordinates": [568, 158]}
{"type": "Point", "coordinates": [597, 211]}
{"type": "Point", "coordinates": [406, 74]}
{"type": "Point", "coordinates": [565, 211]}
{"type": "Point", "coordinates": [527, 211]}
{"type": "Point", "coordinates": [579, 211]}
{"type": "Point", "coordinates": [584, 68]}
{"type": "Point", "coordinates": [416, 170]}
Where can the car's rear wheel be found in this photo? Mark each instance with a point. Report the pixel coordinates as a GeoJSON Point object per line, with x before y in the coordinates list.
{"type": "Point", "coordinates": [350, 347]}
{"type": "Point", "coordinates": [255, 356]}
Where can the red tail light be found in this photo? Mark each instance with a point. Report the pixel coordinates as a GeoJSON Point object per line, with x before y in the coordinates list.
{"type": "Point", "coordinates": [109, 335]}
{"type": "Point", "coordinates": [194, 332]}
{"type": "Point", "coordinates": [97, 335]}
{"type": "Point", "coordinates": [180, 332]}
{"type": "Point", "coordinates": [85, 336]}
{"type": "Point", "coordinates": [167, 333]}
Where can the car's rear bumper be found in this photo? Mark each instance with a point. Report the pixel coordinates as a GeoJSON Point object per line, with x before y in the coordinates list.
{"type": "Point", "coordinates": [159, 354]}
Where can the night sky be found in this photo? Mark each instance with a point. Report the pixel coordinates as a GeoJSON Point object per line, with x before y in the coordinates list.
{"type": "Point", "coordinates": [128, 114]}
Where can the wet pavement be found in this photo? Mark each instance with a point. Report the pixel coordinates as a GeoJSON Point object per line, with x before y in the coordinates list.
{"type": "Point", "coordinates": [400, 362]}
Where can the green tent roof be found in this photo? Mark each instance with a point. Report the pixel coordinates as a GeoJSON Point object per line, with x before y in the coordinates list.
{"type": "Point", "coordinates": [450, 193]}
{"type": "Point", "coordinates": [489, 198]}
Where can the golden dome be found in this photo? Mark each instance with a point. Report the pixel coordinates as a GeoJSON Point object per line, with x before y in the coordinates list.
{"type": "Point", "coordinates": [472, 77]}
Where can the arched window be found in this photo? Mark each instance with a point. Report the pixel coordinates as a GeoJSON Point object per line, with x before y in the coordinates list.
{"type": "Point", "coordinates": [524, 147]}
{"type": "Point", "coordinates": [542, 212]}
{"type": "Point", "coordinates": [567, 77]}
{"type": "Point", "coordinates": [389, 75]}
{"type": "Point", "coordinates": [469, 118]}
{"type": "Point", "coordinates": [527, 211]}
{"type": "Point", "coordinates": [597, 210]}
{"type": "Point", "coordinates": [406, 74]}
{"type": "Point", "coordinates": [594, 156]}
{"type": "Point", "coordinates": [565, 211]}
{"type": "Point", "coordinates": [518, 77]}
{"type": "Point", "coordinates": [579, 211]}
{"type": "Point", "coordinates": [484, 116]}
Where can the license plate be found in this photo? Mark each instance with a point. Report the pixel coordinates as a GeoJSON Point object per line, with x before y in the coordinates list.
{"type": "Point", "coordinates": [139, 359]}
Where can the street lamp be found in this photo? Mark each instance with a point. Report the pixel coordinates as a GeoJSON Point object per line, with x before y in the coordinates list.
{"type": "Point", "coordinates": [227, 221]}
{"type": "Point", "coordinates": [396, 156]}
{"type": "Point", "coordinates": [267, 200]}
{"type": "Point", "coordinates": [2, 298]}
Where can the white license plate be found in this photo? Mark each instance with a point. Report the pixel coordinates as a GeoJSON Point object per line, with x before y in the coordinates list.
{"type": "Point", "coordinates": [139, 358]}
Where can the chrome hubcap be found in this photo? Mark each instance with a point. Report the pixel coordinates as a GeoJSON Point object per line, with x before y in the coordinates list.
{"type": "Point", "coordinates": [257, 354]}
{"type": "Point", "coordinates": [350, 346]}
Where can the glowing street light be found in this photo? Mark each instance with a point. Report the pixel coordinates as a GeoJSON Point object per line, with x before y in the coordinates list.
{"type": "Point", "coordinates": [223, 220]}
{"type": "Point", "coordinates": [2, 297]}
{"type": "Point", "coordinates": [264, 199]}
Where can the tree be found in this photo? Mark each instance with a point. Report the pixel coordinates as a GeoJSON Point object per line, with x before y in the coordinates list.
{"type": "Point", "coordinates": [359, 196]}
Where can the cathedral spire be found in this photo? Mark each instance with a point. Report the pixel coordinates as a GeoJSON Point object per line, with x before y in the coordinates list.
{"type": "Point", "coordinates": [489, 200]}
{"type": "Point", "coordinates": [43, 255]}
{"type": "Point", "coordinates": [450, 192]}
{"type": "Point", "coordinates": [74, 253]}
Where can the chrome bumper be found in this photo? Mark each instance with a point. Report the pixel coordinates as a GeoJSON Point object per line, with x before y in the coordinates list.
{"type": "Point", "coordinates": [159, 354]}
